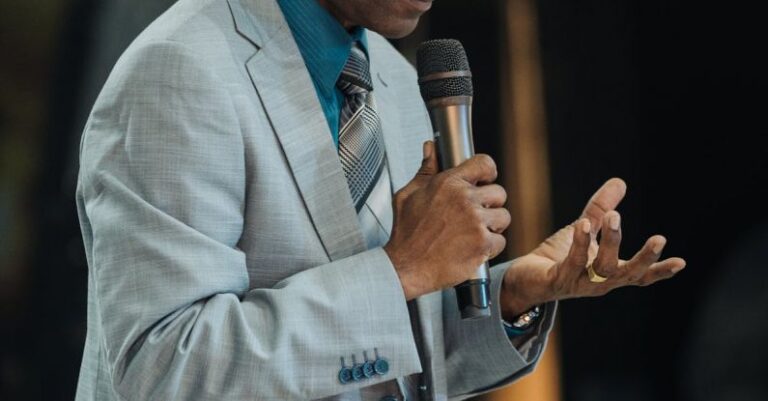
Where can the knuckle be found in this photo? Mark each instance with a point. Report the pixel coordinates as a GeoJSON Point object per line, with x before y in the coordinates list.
{"type": "Point", "coordinates": [466, 208]}
{"type": "Point", "coordinates": [481, 233]}
{"type": "Point", "coordinates": [442, 180]}
{"type": "Point", "coordinates": [488, 165]}
{"type": "Point", "coordinates": [465, 194]}
{"type": "Point", "coordinates": [501, 243]}
{"type": "Point", "coordinates": [478, 248]}
{"type": "Point", "coordinates": [507, 216]}
{"type": "Point", "coordinates": [494, 242]}
{"type": "Point", "coordinates": [490, 250]}
{"type": "Point", "coordinates": [483, 244]}
{"type": "Point", "coordinates": [502, 194]}
{"type": "Point", "coordinates": [482, 218]}
{"type": "Point", "coordinates": [486, 161]}
{"type": "Point", "coordinates": [399, 198]}
{"type": "Point", "coordinates": [500, 221]}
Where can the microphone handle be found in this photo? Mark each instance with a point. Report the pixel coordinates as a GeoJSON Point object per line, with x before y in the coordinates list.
{"type": "Point", "coordinates": [452, 122]}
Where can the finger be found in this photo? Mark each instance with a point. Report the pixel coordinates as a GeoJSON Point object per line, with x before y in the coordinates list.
{"type": "Point", "coordinates": [649, 254]}
{"type": "Point", "coordinates": [429, 165]}
{"type": "Point", "coordinates": [479, 169]}
{"type": "Point", "coordinates": [491, 195]}
{"type": "Point", "coordinates": [604, 200]}
{"type": "Point", "coordinates": [661, 271]}
{"type": "Point", "coordinates": [607, 260]}
{"type": "Point", "coordinates": [578, 255]}
{"type": "Point", "coordinates": [497, 220]}
{"type": "Point", "coordinates": [496, 245]}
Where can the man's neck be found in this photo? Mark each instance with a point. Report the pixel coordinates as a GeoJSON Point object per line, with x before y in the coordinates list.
{"type": "Point", "coordinates": [336, 14]}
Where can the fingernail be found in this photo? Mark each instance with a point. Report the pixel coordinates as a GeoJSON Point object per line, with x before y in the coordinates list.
{"type": "Point", "coordinates": [586, 226]}
{"type": "Point", "coordinates": [615, 222]}
{"type": "Point", "coordinates": [658, 247]}
{"type": "Point", "coordinates": [677, 269]}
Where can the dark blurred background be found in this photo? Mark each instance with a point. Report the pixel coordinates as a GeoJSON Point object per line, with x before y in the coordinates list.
{"type": "Point", "coordinates": [669, 95]}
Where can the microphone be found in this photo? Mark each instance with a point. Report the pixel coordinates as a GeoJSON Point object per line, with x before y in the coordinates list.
{"type": "Point", "coordinates": [446, 86]}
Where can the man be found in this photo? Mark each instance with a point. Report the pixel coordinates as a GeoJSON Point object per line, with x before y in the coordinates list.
{"type": "Point", "coordinates": [236, 199]}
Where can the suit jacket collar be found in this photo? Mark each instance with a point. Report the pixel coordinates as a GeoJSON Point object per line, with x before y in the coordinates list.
{"type": "Point", "coordinates": [256, 20]}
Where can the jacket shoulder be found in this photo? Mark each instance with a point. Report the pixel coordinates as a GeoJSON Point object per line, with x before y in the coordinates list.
{"type": "Point", "coordinates": [202, 27]}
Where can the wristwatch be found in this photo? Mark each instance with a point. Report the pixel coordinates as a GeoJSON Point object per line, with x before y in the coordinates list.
{"type": "Point", "coordinates": [523, 322]}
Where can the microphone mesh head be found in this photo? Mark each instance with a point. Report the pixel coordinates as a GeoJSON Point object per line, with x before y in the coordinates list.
{"type": "Point", "coordinates": [443, 55]}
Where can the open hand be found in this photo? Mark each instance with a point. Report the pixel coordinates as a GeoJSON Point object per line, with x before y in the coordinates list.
{"type": "Point", "coordinates": [557, 268]}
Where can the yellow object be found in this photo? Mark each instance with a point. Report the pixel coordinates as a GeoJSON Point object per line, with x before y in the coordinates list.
{"type": "Point", "coordinates": [593, 276]}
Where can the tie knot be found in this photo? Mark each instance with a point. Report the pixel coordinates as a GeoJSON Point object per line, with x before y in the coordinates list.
{"type": "Point", "coordinates": [355, 77]}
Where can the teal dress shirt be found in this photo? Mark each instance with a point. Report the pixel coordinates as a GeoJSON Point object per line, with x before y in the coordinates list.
{"type": "Point", "coordinates": [325, 46]}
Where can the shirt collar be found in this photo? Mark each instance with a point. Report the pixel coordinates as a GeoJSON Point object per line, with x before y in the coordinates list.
{"type": "Point", "coordinates": [323, 42]}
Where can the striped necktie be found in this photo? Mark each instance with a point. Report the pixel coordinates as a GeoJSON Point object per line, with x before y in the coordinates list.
{"type": "Point", "coordinates": [361, 147]}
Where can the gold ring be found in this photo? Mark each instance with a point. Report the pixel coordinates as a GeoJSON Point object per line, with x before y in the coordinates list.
{"type": "Point", "coordinates": [593, 276]}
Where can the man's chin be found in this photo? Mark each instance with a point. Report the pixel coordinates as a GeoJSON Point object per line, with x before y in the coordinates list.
{"type": "Point", "coordinates": [398, 29]}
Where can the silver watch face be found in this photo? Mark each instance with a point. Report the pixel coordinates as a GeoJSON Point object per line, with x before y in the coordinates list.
{"type": "Point", "coordinates": [526, 319]}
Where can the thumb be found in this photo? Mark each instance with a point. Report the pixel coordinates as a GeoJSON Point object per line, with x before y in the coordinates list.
{"type": "Point", "coordinates": [429, 165]}
{"type": "Point", "coordinates": [426, 171]}
{"type": "Point", "coordinates": [604, 200]}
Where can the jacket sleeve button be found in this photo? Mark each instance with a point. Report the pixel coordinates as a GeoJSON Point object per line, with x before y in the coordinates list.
{"type": "Point", "coordinates": [345, 375]}
{"type": "Point", "coordinates": [357, 373]}
{"type": "Point", "coordinates": [368, 370]}
{"type": "Point", "coordinates": [381, 366]}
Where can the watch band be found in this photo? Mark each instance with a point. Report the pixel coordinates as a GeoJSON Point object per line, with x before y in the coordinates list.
{"type": "Point", "coordinates": [523, 322]}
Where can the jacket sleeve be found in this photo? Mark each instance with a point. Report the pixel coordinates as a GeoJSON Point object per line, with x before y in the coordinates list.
{"type": "Point", "coordinates": [162, 197]}
{"type": "Point", "coordinates": [479, 355]}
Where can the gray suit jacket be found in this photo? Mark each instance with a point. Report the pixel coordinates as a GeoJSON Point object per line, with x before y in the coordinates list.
{"type": "Point", "coordinates": [226, 261]}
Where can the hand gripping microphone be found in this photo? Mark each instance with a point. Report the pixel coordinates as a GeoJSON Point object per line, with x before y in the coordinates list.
{"type": "Point", "coordinates": [446, 86]}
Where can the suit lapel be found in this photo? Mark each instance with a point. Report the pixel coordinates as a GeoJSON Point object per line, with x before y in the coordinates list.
{"type": "Point", "coordinates": [285, 88]}
{"type": "Point", "coordinates": [386, 107]}
{"type": "Point", "coordinates": [391, 131]}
